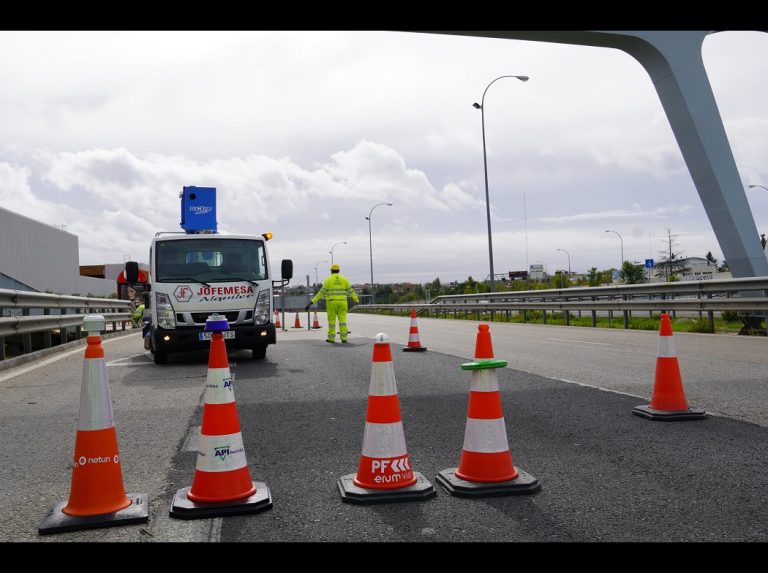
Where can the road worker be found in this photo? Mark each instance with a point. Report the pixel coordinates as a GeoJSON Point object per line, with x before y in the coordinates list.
{"type": "Point", "coordinates": [137, 314]}
{"type": "Point", "coordinates": [335, 289]}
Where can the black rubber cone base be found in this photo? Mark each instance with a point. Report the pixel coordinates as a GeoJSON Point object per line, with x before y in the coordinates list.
{"type": "Point", "coordinates": [350, 493]}
{"type": "Point", "coordinates": [185, 508]}
{"type": "Point", "coordinates": [56, 521]}
{"type": "Point", "coordinates": [668, 415]}
{"type": "Point", "coordinates": [414, 349]}
{"type": "Point", "coordinates": [523, 483]}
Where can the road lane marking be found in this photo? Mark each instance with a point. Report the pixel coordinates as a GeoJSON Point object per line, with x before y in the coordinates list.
{"type": "Point", "coordinates": [120, 361]}
{"type": "Point", "coordinates": [598, 388]}
{"type": "Point", "coordinates": [580, 341]}
{"type": "Point", "coordinates": [24, 369]}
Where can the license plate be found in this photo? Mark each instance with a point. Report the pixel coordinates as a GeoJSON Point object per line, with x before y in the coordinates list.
{"type": "Point", "coordinates": [206, 335]}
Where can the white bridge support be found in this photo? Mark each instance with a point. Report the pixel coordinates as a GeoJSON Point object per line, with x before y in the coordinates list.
{"type": "Point", "coordinates": [673, 60]}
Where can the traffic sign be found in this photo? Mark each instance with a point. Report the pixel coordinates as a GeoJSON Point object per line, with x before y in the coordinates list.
{"type": "Point", "coordinates": [648, 263]}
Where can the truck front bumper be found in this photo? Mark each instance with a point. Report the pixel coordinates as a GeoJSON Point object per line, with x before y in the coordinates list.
{"type": "Point", "coordinates": [187, 338]}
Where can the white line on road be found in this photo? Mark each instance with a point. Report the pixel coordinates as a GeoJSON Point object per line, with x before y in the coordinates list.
{"type": "Point", "coordinates": [214, 535]}
{"type": "Point", "coordinates": [580, 341]}
{"type": "Point", "coordinates": [599, 388]}
{"type": "Point", "coordinates": [121, 361]}
{"type": "Point", "coordinates": [23, 370]}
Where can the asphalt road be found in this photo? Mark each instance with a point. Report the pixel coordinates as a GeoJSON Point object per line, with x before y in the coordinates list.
{"type": "Point", "coordinates": [606, 475]}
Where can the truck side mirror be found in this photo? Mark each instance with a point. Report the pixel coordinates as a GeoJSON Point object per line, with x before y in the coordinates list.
{"type": "Point", "coordinates": [132, 272]}
{"type": "Point", "coordinates": [286, 270]}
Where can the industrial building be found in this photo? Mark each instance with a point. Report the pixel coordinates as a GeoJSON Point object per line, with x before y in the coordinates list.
{"type": "Point", "coordinates": [38, 257]}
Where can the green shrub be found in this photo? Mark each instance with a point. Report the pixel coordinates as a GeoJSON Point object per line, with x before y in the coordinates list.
{"type": "Point", "coordinates": [730, 315]}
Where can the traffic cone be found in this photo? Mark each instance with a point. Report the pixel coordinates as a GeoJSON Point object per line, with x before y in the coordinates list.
{"type": "Point", "coordinates": [222, 483]}
{"type": "Point", "coordinates": [668, 402]}
{"type": "Point", "coordinates": [277, 319]}
{"type": "Point", "coordinates": [485, 468]}
{"type": "Point", "coordinates": [97, 497]}
{"type": "Point", "coordinates": [413, 336]}
{"type": "Point", "coordinates": [316, 322]}
{"type": "Point", "coordinates": [297, 322]}
{"type": "Point", "coordinates": [384, 473]}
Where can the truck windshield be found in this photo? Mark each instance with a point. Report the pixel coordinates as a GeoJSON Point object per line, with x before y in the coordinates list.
{"type": "Point", "coordinates": [210, 260]}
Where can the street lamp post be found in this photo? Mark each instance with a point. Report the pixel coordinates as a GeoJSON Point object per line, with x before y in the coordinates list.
{"type": "Point", "coordinates": [569, 262]}
{"type": "Point", "coordinates": [622, 247]}
{"type": "Point", "coordinates": [317, 280]}
{"type": "Point", "coordinates": [481, 107]}
{"type": "Point", "coordinates": [370, 248]}
{"type": "Point", "coordinates": [334, 246]}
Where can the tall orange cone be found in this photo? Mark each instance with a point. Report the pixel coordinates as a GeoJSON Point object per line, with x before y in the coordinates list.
{"type": "Point", "coordinates": [97, 497]}
{"type": "Point", "coordinates": [668, 402]}
{"type": "Point", "coordinates": [297, 322]}
{"type": "Point", "coordinates": [316, 322]}
{"type": "Point", "coordinates": [414, 345]}
{"type": "Point", "coordinates": [384, 473]}
{"type": "Point", "coordinates": [277, 319]}
{"type": "Point", "coordinates": [222, 482]}
{"type": "Point", "coordinates": [485, 468]}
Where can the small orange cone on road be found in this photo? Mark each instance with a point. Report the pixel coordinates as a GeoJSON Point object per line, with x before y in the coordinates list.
{"type": "Point", "coordinates": [384, 473]}
{"type": "Point", "coordinates": [97, 497]}
{"type": "Point", "coordinates": [485, 468]}
{"type": "Point", "coordinates": [277, 319]}
{"type": "Point", "coordinates": [316, 322]}
{"type": "Point", "coordinates": [414, 345]}
{"type": "Point", "coordinates": [668, 402]}
{"type": "Point", "coordinates": [297, 322]}
{"type": "Point", "coordinates": [222, 482]}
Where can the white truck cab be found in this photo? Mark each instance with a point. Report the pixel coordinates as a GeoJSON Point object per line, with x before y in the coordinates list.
{"type": "Point", "coordinates": [198, 272]}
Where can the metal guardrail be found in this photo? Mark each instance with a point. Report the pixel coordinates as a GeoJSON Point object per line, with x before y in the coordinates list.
{"type": "Point", "coordinates": [747, 296]}
{"type": "Point", "coordinates": [26, 313]}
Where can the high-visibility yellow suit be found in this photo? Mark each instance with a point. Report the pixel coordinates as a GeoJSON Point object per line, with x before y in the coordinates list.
{"type": "Point", "coordinates": [335, 289]}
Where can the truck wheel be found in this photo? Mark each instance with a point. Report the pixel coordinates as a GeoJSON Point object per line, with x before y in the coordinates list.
{"type": "Point", "coordinates": [259, 352]}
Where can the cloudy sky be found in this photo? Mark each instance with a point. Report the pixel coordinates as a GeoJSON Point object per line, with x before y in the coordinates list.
{"type": "Point", "coordinates": [303, 132]}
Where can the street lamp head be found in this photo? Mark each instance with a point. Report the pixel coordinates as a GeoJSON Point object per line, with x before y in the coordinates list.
{"type": "Point", "coordinates": [477, 106]}
{"type": "Point", "coordinates": [389, 204]}
{"type": "Point", "coordinates": [523, 78]}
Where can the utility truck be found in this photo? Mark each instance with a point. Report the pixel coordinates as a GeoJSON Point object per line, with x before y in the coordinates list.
{"type": "Point", "coordinates": [196, 272]}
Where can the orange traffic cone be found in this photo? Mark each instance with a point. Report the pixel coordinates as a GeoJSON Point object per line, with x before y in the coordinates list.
{"type": "Point", "coordinates": [413, 336]}
{"type": "Point", "coordinates": [97, 497]}
{"type": "Point", "coordinates": [222, 483]}
{"type": "Point", "coordinates": [277, 319]}
{"type": "Point", "coordinates": [297, 322]}
{"type": "Point", "coordinates": [384, 472]}
{"type": "Point", "coordinates": [668, 402]}
{"type": "Point", "coordinates": [485, 468]}
{"type": "Point", "coordinates": [316, 322]}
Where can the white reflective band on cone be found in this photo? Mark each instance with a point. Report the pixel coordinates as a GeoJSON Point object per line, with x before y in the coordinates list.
{"type": "Point", "coordinates": [221, 453]}
{"type": "Point", "coordinates": [384, 440]}
{"type": "Point", "coordinates": [95, 405]}
{"type": "Point", "coordinates": [666, 347]}
{"type": "Point", "coordinates": [486, 436]}
{"type": "Point", "coordinates": [484, 381]}
{"type": "Point", "coordinates": [382, 379]}
{"type": "Point", "coordinates": [218, 387]}
{"type": "Point", "coordinates": [413, 337]}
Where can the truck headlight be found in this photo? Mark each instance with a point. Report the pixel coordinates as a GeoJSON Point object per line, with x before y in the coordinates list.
{"type": "Point", "coordinates": [261, 310]}
{"type": "Point", "coordinates": [165, 315]}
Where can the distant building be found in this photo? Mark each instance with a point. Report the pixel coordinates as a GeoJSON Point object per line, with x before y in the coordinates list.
{"type": "Point", "coordinates": [696, 269]}
{"type": "Point", "coordinates": [38, 257]}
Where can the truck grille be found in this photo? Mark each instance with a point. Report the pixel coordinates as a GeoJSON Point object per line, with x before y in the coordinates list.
{"type": "Point", "coordinates": [201, 317]}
